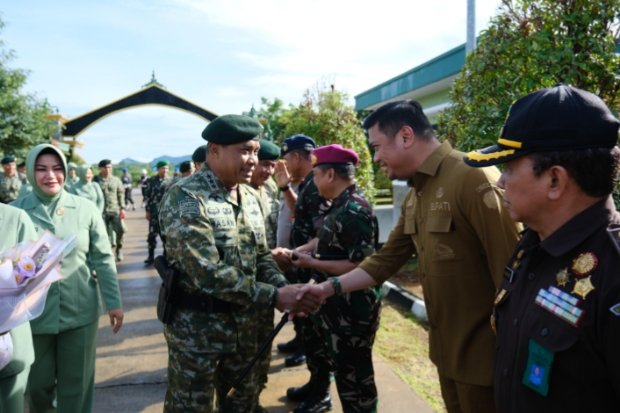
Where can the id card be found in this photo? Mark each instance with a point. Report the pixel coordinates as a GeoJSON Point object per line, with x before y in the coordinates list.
{"type": "Point", "coordinates": [538, 368]}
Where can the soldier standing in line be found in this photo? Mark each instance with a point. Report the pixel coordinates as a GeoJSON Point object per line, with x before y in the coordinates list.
{"type": "Point", "coordinates": [21, 170]}
{"type": "Point", "coordinates": [454, 219]}
{"type": "Point", "coordinates": [10, 180]}
{"type": "Point", "coordinates": [267, 193]}
{"type": "Point", "coordinates": [186, 168]}
{"type": "Point", "coordinates": [199, 156]}
{"type": "Point", "coordinates": [310, 210]}
{"type": "Point", "coordinates": [142, 182]}
{"type": "Point", "coordinates": [72, 178]}
{"type": "Point", "coordinates": [349, 234]}
{"type": "Point", "coordinates": [114, 211]}
{"type": "Point", "coordinates": [156, 187]}
{"type": "Point", "coordinates": [217, 244]}
{"type": "Point", "coordinates": [127, 180]}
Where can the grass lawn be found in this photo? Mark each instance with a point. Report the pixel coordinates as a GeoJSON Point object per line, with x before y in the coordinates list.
{"type": "Point", "coordinates": [402, 342]}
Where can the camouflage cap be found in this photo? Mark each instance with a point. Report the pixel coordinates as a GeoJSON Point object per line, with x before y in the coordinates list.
{"type": "Point", "coordinates": [268, 151]}
{"type": "Point", "coordinates": [200, 154]}
{"type": "Point", "coordinates": [7, 159]}
{"type": "Point", "coordinates": [231, 129]}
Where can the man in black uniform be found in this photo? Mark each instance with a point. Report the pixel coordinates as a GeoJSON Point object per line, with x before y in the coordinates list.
{"type": "Point", "coordinates": [557, 312]}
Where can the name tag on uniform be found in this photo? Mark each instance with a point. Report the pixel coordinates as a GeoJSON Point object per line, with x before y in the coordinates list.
{"type": "Point", "coordinates": [220, 215]}
{"type": "Point", "coordinates": [538, 368]}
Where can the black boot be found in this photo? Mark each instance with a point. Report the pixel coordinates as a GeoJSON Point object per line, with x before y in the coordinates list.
{"type": "Point", "coordinates": [319, 401]}
{"type": "Point", "coordinates": [151, 258]}
{"type": "Point", "coordinates": [297, 358]}
{"type": "Point", "coordinates": [299, 394]}
{"type": "Point", "coordinates": [290, 346]}
{"type": "Point", "coordinates": [119, 254]}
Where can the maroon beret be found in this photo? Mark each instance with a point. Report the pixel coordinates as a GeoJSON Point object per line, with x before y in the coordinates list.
{"type": "Point", "coordinates": [333, 154]}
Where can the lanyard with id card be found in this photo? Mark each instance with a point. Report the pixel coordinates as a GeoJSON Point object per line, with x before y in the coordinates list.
{"type": "Point", "coordinates": [538, 368]}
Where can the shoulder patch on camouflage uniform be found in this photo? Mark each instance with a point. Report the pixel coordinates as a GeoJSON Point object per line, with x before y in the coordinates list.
{"type": "Point", "coordinates": [189, 207]}
{"type": "Point", "coordinates": [614, 234]}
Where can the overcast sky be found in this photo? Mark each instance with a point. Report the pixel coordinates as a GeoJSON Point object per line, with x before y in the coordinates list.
{"type": "Point", "coordinates": [221, 55]}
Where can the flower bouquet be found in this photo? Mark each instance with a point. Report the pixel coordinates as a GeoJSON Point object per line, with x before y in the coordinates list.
{"type": "Point", "coordinates": [26, 272]}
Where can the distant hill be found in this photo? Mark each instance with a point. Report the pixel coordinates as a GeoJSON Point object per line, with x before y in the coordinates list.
{"type": "Point", "coordinates": [129, 161]}
{"type": "Point", "coordinates": [172, 159]}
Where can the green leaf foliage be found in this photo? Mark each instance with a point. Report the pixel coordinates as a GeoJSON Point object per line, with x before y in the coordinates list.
{"type": "Point", "coordinates": [324, 115]}
{"type": "Point", "coordinates": [22, 116]}
{"type": "Point", "coordinates": [529, 45]}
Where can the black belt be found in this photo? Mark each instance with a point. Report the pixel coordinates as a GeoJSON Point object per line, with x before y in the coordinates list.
{"type": "Point", "coordinates": [203, 303]}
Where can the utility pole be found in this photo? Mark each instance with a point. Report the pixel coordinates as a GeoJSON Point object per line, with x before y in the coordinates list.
{"type": "Point", "coordinates": [471, 26]}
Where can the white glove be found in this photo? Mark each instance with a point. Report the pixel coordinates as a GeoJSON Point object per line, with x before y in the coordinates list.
{"type": "Point", "coordinates": [6, 350]}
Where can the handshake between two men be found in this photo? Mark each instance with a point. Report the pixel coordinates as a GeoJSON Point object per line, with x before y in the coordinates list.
{"type": "Point", "coordinates": [300, 299]}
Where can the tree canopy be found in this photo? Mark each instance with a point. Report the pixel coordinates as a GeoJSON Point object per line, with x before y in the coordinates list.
{"type": "Point", "coordinates": [22, 115]}
{"type": "Point", "coordinates": [529, 45]}
{"type": "Point", "coordinates": [324, 115]}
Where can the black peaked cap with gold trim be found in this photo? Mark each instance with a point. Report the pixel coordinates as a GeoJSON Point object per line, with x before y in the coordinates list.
{"type": "Point", "coordinates": [553, 119]}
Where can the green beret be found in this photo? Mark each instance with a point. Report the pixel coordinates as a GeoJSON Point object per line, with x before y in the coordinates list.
{"type": "Point", "coordinates": [163, 162]}
{"type": "Point", "coordinates": [7, 159]}
{"type": "Point", "coordinates": [21, 165]}
{"type": "Point", "coordinates": [268, 151]}
{"type": "Point", "coordinates": [71, 165]}
{"type": "Point", "coordinates": [186, 166]}
{"type": "Point", "coordinates": [200, 154]}
{"type": "Point", "coordinates": [104, 162]}
{"type": "Point", "coordinates": [230, 129]}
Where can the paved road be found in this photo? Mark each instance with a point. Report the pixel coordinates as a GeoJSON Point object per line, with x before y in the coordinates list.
{"type": "Point", "coordinates": [131, 366]}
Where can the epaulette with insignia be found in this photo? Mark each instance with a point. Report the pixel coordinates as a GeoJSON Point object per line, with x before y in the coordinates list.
{"type": "Point", "coordinates": [614, 232]}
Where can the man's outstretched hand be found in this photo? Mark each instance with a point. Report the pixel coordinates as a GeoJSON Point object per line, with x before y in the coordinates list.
{"type": "Point", "coordinates": [320, 291]}
{"type": "Point", "coordinates": [291, 299]}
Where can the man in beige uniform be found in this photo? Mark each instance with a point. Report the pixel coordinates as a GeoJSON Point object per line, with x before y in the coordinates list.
{"type": "Point", "coordinates": [453, 218]}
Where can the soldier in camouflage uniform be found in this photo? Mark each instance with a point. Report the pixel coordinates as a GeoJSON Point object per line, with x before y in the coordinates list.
{"type": "Point", "coordinates": [216, 241]}
{"type": "Point", "coordinates": [267, 193]}
{"type": "Point", "coordinates": [156, 187]}
{"type": "Point", "coordinates": [348, 235]}
{"type": "Point", "coordinates": [10, 180]}
{"type": "Point", "coordinates": [310, 210]}
{"type": "Point", "coordinates": [73, 178]}
{"type": "Point", "coordinates": [114, 211]}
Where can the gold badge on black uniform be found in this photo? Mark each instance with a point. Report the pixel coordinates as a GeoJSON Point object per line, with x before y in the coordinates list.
{"type": "Point", "coordinates": [584, 264]}
{"type": "Point", "coordinates": [583, 287]}
{"type": "Point", "coordinates": [562, 277]}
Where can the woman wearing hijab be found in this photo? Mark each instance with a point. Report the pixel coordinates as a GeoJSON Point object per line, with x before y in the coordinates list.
{"type": "Point", "coordinates": [87, 188]}
{"type": "Point", "coordinates": [62, 376]}
{"type": "Point", "coordinates": [16, 227]}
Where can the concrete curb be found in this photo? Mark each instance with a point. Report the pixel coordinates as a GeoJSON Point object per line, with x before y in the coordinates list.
{"type": "Point", "coordinates": [405, 299]}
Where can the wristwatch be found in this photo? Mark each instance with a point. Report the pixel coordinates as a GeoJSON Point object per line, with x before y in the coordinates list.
{"type": "Point", "coordinates": [286, 188]}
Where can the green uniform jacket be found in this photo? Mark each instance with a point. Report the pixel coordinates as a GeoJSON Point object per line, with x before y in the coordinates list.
{"type": "Point", "coordinates": [113, 194]}
{"type": "Point", "coordinates": [24, 190]}
{"type": "Point", "coordinates": [88, 190]}
{"type": "Point", "coordinates": [16, 227]}
{"type": "Point", "coordinates": [75, 301]}
{"type": "Point", "coordinates": [217, 242]}
{"type": "Point", "coordinates": [72, 181]}
{"type": "Point", "coordinates": [155, 189]}
{"type": "Point", "coordinates": [9, 187]}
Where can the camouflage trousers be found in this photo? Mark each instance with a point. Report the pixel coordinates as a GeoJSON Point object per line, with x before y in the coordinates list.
{"type": "Point", "coordinates": [265, 325]}
{"type": "Point", "coordinates": [153, 233]}
{"type": "Point", "coordinates": [114, 223]}
{"type": "Point", "coordinates": [199, 382]}
{"type": "Point", "coordinates": [351, 358]}
{"type": "Point", "coordinates": [317, 350]}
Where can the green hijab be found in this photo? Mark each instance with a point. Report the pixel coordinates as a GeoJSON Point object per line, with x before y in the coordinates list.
{"type": "Point", "coordinates": [81, 170]}
{"type": "Point", "coordinates": [31, 159]}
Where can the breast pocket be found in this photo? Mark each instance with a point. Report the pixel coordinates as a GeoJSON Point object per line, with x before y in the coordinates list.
{"type": "Point", "coordinates": [442, 236]}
